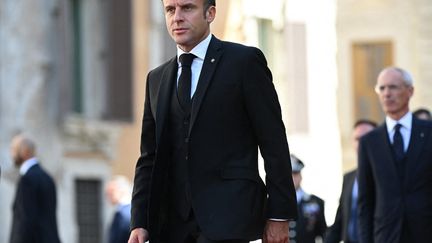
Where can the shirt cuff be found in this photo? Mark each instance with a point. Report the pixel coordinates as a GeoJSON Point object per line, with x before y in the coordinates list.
{"type": "Point", "coordinates": [279, 220]}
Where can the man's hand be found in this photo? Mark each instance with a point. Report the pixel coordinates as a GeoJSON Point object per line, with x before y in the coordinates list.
{"type": "Point", "coordinates": [276, 232]}
{"type": "Point", "coordinates": [138, 235]}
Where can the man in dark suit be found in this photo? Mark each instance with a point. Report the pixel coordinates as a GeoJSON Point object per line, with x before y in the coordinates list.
{"type": "Point", "coordinates": [207, 111]}
{"type": "Point", "coordinates": [310, 225]}
{"type": "Point", "coordinates": [34, 208]}
{"type": "Point", "coordinates": [118, 191]}
{"type": "Point", "coordinates": [395, 168]}
{"type": "Point", "coordinates": [345, 224]}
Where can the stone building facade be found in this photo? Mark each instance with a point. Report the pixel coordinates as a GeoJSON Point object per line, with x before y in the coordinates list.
{"type": "Point", "coordinates": [66, 78]}
{"type": "Point", "coordinates": [72, 76]}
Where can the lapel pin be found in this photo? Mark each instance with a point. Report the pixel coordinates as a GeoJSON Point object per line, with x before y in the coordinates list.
{"type": "Point", "coordinates": [212, 60]}
{"type": "Point", "coordinates": [422, 135]}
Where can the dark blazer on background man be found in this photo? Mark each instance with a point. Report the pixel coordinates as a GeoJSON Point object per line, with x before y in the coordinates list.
{"type": "Point", "coordinates": [34, 209]}
{"type": "Point", "coordinates": [235, 109]}
{"type": "Point", "coordinates": [392, 202]}
{"type": "Point", "coordinates": [339, 230]}
{"type": "Point", "coordinates": [119, 230]}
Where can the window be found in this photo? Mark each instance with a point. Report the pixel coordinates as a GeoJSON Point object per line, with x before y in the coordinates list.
{"type": "Point", "coordinates": [77, 96]}
{"type": "Point", "coordinates": [369, 58]}
{"type": "Point", "coordinates": [119, 89]}
{"type": "Point", "coordinates": [265, 37]}
{"type": "Point", "coordinates": [88, 210]}
{"type": "Point", "coordinates": [100, 83]}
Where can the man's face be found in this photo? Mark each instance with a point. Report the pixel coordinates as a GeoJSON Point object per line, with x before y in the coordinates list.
{"type": "Point", "coordinates": [359, 131]}
{"type": "Point", "coordinates": [15, 152]}
{"type": "Point", "coordinates": [112, 193]}
{"type": "Point", "coordinates": [186, 21]}
{"type": "Point", "coordinates": [393, 93]}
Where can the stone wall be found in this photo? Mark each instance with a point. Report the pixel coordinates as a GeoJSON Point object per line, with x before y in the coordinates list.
{"type": "Point", "coordinates": [32, 70]}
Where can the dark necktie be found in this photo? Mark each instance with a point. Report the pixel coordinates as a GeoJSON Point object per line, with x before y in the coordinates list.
{"type": "Point", "coordinates": [352, 223]}
{"type": "Point", "coordinates": [184, 83]}
{"type": "Point", "coordinates": [398, 145]}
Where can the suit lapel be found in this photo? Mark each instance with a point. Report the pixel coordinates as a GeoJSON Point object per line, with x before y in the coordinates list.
{"type": "Point", "coordinates": [164, 98]}
{"type": "Point", "coordinates": [417, 140]}
{"type": "Point", "coordinates": [212, 58]}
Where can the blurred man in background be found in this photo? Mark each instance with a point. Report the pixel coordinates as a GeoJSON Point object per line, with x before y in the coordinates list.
{"type": "Point", "coordinates": [395, 168]}
{"type": "Point", "coordinates": [345, 225]}
{"type": "Point", "coordinates": [34, 208]}
{"type": "Point", "coordinates": [118, 191]}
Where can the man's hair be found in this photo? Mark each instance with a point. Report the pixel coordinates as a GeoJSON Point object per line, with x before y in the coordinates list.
{"type": "Point", "coordinates": [366, 122]}
{"type": "Point", "coordinates": [420, 111]}
{"type": "Point", "coordinates": [406, 76]}
{"type": "Point", "coordinates": [207, 4]}
{"type": "Point", "coordinates": [25, 143]}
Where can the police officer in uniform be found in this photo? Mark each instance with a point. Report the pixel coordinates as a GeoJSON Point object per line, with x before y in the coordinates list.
{"type": "Point", "coordinates": [310, 225]}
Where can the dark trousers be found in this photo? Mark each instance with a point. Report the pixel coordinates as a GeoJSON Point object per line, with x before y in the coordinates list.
{"type": "Point", "coordinates": [178, 230]}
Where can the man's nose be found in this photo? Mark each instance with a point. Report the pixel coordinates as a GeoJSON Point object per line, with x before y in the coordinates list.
{"type": "Point", "coordinates": [178, 15]}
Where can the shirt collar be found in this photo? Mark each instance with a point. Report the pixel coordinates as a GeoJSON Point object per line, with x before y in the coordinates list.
{"type": "Point", "coordinates": [299, 193]}
{"type": "Point", "coordinates": [27, 165]}
{"type": "Point", "coordinates": [199, 50]}
{"type": "Point", "coordinates": [121, 205]}
{"type": "Point", "coordinates": [405, 121]}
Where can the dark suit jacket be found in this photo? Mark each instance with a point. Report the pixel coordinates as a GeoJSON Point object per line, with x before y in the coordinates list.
{"type": "Point", "coordinates": [235, 109]}
{"type": "Point", "coordinates": [34, 209]}
{"type": "Point", "coordinates": [339, 230]}
{"type": "Point", "coordinates": [387, 203]}
{"type": "Point", "coordinates": [119, 230]}
{"type": "Point", "coordinates": [311, 221]}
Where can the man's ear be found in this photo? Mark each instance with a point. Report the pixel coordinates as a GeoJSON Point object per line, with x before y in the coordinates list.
{"type": "Point", "coordinates": [210, 14]}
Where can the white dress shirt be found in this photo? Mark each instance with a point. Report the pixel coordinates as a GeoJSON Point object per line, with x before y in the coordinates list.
{"type": "Point", "coordinates": [27, 165]}
{"type": "Point", "coordinates": [199, 51]}
{"type": "Point", "coordinates": [405, 129]}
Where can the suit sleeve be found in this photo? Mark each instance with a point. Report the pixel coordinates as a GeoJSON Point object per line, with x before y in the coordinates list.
{"type": "Point", "coordinates": [264, 111]}
{"type": "Point", "coordinates": [366, 196]}
{"type": "Point", "coordinates": [144, 167]}
{"type": "Point", "coordinates": [28, 228]}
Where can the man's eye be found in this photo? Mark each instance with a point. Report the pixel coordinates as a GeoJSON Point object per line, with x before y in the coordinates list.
{"type": "Point", "coordinates": [187, 8]}
{"type": "Point", "coordinates": [169, 10]}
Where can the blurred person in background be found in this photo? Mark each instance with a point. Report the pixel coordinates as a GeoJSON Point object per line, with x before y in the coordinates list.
{"type": "Point", "coordinates": [118, 192]}
{"type": "Point", "coordinates": [345, 224]}
{"type": "Point", "coordinates": [395, 168]}
{"type": "Point", "coordinates": [422, 113]}
{"type": "Point", "coordinates": [34, 208]}
{"type": "Point", "coordinates": [310, 225]}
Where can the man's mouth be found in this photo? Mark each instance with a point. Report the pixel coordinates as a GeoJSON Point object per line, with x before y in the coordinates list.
{"type": "Point", "coordinates": [179, 30]}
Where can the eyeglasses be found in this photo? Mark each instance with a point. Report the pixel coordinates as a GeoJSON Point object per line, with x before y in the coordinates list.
{"type": "Point", "coordinates": [391, 88]}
